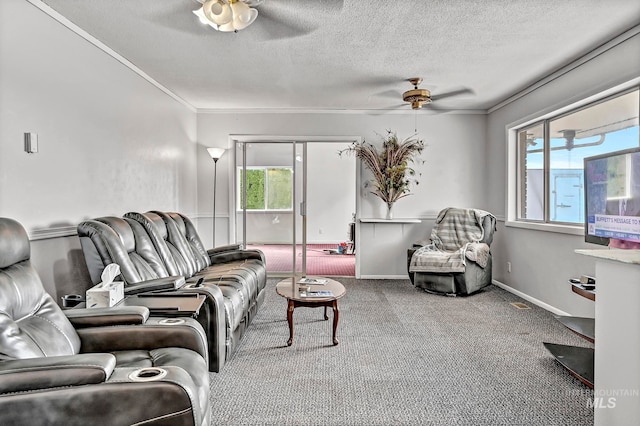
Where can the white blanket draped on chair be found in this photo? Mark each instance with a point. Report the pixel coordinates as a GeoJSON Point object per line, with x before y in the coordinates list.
{"type": "Point", "coordinates": [453, 242]}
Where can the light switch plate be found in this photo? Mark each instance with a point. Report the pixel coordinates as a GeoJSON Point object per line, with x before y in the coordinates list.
{"type": "Point", "coordinates": [31, 143]}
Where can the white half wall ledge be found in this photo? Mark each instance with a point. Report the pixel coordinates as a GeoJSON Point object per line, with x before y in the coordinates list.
{"type": "Point", "coordinates": [390, 221]}
{"type": "Point", "coordinates": [531, 299]}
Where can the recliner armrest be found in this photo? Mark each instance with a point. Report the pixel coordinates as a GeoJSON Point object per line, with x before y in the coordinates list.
{"type": "Point", "coordinates": [220, 249]}
{"type": "Point", "coordinates": [155, 333]}
{"type": "Point", "coordinates": [232, 255]}
{"type": "Point", "coordinates": [102, 317]}
{"type": "Point", "coordinates": [165, 283]}
{"type": "Point", "coordinates": [41, 373]}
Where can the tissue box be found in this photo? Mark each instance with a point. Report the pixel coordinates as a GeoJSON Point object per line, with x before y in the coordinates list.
{"type": "Point", "coordinates": [105, 295]}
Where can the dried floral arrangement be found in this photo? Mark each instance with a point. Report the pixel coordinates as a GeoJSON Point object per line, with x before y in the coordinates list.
{"type": "Point", "coordinates": [392, 174]}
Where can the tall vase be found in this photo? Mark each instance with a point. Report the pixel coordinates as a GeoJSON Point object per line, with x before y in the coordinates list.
{"type": "Point", "coordinates": [389, 211]}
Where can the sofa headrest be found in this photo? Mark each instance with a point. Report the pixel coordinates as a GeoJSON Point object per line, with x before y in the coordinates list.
{"type": "Point", "coordinates": [14, 243]}
{"type": "Point", "coordinates": [122, 228]}
{"type": "Point", "coordinates": [179, 221]}
{"type": "Point", "coordinates": [158, 222]}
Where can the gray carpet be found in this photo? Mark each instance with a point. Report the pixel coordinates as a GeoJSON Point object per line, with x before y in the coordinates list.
{"type": "Point", "coordinates": [405, 357]}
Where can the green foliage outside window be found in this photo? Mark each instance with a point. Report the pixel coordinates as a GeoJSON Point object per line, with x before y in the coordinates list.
{"type": "Point", "coordinates": [255, 189]}
{"type": "Point", "coordinates": [267, 189]}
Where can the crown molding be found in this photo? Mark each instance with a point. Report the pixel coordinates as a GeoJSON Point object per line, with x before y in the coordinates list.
{"type": "Point", "coordinates": [106, 49]}
{"type": "Point", "coordinates": [424, 111]}
{"type": "Point", "coordinates": [599, 50]}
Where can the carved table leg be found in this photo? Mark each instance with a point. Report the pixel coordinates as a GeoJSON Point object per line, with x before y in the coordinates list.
{"type": "Point", "coordinates": [290, 321]}
{"type": "Point", "coordinates": [336, 316]}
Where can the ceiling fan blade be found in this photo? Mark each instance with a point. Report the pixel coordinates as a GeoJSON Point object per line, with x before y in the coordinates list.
{"type": "Point", "coordinates": [279, 20]}
{"type": "Point", "coordinates": [311, 7]}
{"type": "Point", "coordinates": [451, 93]}
{"type": "Point", "coordinates": [385, 110]}
{"type": "Point", "coordinates": [276, 26]}
{"type": "Point", "coordinates": [389, 94]}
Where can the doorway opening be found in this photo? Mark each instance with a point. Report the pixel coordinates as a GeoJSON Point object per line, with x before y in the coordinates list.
{"type": "Point", "coordinates": [298, 205]}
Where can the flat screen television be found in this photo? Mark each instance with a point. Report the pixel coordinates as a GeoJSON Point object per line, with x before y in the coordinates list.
{"type": "Point", "coordinates": [612, 198]}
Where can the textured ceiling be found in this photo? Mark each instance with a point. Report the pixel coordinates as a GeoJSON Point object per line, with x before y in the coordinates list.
{"type": "Point", "coordinates": [352, 54]}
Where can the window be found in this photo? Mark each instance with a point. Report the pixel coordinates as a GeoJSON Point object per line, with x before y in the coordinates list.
{"type": "Point", "coordinates": [268, 188]}
{"type": "Point", "coordinates": [551, 154]}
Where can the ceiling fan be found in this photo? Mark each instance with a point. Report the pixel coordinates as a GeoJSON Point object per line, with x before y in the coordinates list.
{"type": "Point", "coordinates": [278, 20]}
{"type": "Point", "coordinates": [419, 97]}
{"type": "Point", "coordinates": [229, 15]}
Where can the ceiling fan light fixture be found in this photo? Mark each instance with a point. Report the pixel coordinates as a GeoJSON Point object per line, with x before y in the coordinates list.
{"type": "Point", "coordinates": [217, 12]}
{"type": "Point", "coordinates": [241, 12]}
{"type": "Point", "coordinates": [239, 24]}
{"type": "Point", "coordinates": [200, 14]}
{"type": "Point", "coordinates": [417, 95]}
{"type": "Point", "coordinates": [226, 15]}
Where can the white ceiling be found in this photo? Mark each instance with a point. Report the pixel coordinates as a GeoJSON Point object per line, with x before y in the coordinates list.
{"type": "Point", "coordinates": [351, 54]}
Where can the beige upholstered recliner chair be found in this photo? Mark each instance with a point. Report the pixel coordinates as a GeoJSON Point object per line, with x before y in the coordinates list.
{"type": "Point", "coordinates": [457, 258]}
{"type": "Point", "coordinates": [112, 366]}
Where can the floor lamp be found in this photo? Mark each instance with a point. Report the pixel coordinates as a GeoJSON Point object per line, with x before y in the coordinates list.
{"type": "Point", "coordinates": [215, 154]}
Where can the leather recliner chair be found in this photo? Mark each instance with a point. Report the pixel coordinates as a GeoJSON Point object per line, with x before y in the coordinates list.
{"type": "Point", "coordinates": [111, 366]}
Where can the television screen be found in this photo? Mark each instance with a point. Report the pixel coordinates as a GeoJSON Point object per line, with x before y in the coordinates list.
{"type": "Point", "coordinates": [612, 197]}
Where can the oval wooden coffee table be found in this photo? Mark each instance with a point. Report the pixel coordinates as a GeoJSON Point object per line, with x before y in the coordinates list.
{"type": "Point", "coordinates": [296, 295]}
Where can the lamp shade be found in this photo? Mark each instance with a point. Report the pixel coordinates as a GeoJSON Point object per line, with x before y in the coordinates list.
{"type": "Point", "coordinates": [216, 153]}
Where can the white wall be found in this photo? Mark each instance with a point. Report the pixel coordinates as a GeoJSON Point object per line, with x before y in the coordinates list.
{"type": "Point", "coordinates": [331, 194]}
{"type": "Point", "coordinates": [453, 174]}
{"type": "Point", "coordinates": [542, 262]}
{"type": "Point", "coordinates": [109, 141]}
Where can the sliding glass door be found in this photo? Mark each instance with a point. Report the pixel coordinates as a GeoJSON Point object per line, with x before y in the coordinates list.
{"type": "Point", "coordinates": [270, 200]}
{"type": "Point", "coordinates": [298, 204]}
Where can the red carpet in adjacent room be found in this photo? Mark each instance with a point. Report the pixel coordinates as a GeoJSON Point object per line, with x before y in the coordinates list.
{"type": "Point", "coordinates": [319, 261]}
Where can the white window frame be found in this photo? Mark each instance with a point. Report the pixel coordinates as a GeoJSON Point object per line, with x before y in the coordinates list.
{"type": "Point", "coordinates": [513, 161]}
{"type": "Point", "coordinates": [266, 189]}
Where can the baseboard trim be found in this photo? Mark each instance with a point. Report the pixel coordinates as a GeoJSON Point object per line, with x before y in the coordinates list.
{"type": "Point", "coordinates": [533, 300]}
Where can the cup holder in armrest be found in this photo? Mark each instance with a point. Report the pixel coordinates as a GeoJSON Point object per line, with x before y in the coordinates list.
{"type": "Point", "coordinates": [147, 374]}
{"type": "Point", "coordinates": [72, 300]}
{"type": "Point", "coordinates": [172, 321]}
